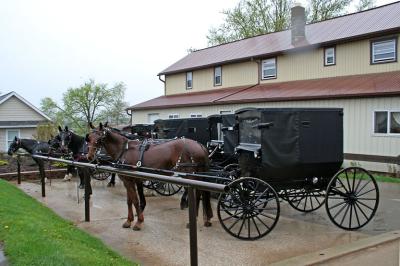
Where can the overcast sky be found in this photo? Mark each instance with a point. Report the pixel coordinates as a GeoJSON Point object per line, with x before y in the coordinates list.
{"type": "Point", "coordinates": [47, 46]}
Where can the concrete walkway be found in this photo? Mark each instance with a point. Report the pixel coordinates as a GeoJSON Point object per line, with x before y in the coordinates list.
{"type": "Point", "coordinates": [164, 239]}
{"type": "Point", "coordinates": [3, 259]}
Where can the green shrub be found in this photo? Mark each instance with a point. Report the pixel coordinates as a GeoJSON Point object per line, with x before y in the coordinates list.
{"type": "Point", "coordinates": [59, 165]}
{"type": "Point", "coordinates": [3, 163]}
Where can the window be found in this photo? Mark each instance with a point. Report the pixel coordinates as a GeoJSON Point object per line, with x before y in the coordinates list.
{"type": "Point", "coordinates": [11, 134]}
{"type": "Point", "coordinates": [383, 51]}
{"type": "Point", "coordinates": [387, 122]}
{"type": "Point", "coordinates": [196, 115]}
{"type": "Point", "coordinates": [173, 116]}
{"type": "Point", "coordinates": [329, 56]}
{"type": "Point", "coordinates": [225, 112]}
{"type": "Point", "coordinates": [268, 69]}
{"type": "Point", "coordinates": [189, 80]}
{"type": "Point", "coordinates": [217, 76]}
{"type": "Point", "coordinates": [153, 117]}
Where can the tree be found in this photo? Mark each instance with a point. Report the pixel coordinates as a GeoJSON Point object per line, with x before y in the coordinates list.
{"type": "Point", "coordinates": [254, 17]}
{"type": "Point", "coordinates": [250, 18]}
{"type": "Point", "coordinates": [325, 9]}
{"type": "Point", "coordinates": [90, 102]}
{"type": "Point", "coordinates": [365, 4]}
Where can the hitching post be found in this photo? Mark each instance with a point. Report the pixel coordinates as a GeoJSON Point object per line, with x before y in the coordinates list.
{"type": "Point", "coordinates": [18, 170]}
{"type": "Point", "coordinates": [192, 226]}
{"type": "Point", "coordinates": [42, 180]}
{"type": "Point", "coordinates": [86, 175]}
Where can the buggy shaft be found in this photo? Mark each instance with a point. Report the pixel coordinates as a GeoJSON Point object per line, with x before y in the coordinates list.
{"type": "Point", "coordinates": [143, 175]}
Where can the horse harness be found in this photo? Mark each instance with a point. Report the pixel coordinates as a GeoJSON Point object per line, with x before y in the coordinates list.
{"type": "Point", "coordinates": [145, 145]}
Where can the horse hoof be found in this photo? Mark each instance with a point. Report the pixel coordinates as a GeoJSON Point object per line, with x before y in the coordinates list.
{"type": "Point", "coordinates": [207, 224]}
{"type": "Point", "coordinates": [136, 228]}
{"type": "Point", "coordinates": [111, 185]}
{"type": "Point", "coordinates": [126, 225]}
{"type": "Point", "coordinates": [184, 205]}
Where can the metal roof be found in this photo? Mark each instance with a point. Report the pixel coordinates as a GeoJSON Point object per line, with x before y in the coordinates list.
{"type": "Point", "coordinates": [357, 25]}
{"type": "Point", "coordinates": [356, 86]}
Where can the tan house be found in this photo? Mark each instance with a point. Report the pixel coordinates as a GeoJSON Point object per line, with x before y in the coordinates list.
{"type": "Point", "coordinates": [18, 117]}
{"type": "Point", "coordinates": [349, 62]}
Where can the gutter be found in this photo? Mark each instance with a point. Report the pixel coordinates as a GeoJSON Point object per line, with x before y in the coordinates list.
{"type": "Point", "coordinates": [163, 81]}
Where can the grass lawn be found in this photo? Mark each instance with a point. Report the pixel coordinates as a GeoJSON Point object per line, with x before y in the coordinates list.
{"type": "Point", "coordinates": [32, 234]}
{"type": "Point", "coordinates": [378, 177]}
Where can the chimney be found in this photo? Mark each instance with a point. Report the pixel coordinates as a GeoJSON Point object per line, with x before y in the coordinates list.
{"type": "Point", "coordinates": [298, 24]}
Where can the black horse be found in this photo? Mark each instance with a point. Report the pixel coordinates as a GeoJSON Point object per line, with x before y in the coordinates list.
{"type": "Point", "coordinates": [32, 147]}
{"type": "Point", "coordinates": [68, 142]}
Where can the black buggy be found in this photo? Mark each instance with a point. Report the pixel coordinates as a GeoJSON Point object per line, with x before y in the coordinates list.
{"type": "Point", "coordinates": [294, 155]}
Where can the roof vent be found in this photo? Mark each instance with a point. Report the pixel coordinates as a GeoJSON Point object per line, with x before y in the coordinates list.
{"type": "Point", "coordinates": [298, 24]}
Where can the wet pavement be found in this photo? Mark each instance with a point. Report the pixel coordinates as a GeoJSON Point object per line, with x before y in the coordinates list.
{"type": "Point", "coordinates": [164, 240]}
{"type": "Point", "coordinates": [3, 260]}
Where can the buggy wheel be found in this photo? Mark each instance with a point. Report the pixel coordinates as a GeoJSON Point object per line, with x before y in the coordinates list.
{"type": "Point", "coordinates": [305, 200]}
{"type": "Point", "coordinates": [352, 198]}
{"type": "Point", "coordinates": [101, 176]}
{"type": "Point", "coordinates": [165, 189]}
{"type": "Point", "coordinates": [250, 210]}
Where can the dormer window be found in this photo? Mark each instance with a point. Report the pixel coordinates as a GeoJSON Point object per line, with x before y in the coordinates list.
{"type": "Point", "coordinates": [329, 56]}
{"type": "Point", "coordinates": [384, 51]}
{"type": "Point", "coordinates": [189, 80]}
{"type": "Point", "coordinates": [268, 68]}
{"type": "Point", "coordinates": [217, 76]}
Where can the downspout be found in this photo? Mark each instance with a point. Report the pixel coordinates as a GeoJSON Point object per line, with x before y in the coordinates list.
{"type": "Point", "coordinates": [163, 81]}
{"type": "Point", "coordinates": [258, 61]}
{"type": "Point", "coordinates": [130, 114]}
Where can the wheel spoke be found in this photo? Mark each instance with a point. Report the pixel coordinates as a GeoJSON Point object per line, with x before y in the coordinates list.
{"type": "Point", "coordinates": [365, 216]}
{"type": "Point", "coordinates": [339, 211]}
{"type": "Point", "coordinates": [359, 195]}
{"type": "Point", "coordinates": [365, 205]}
{"type": "Point", "coordinates": [241, 227]}
{"type": "Point", "coordinates": [356, 213]}
{"type": "Point", "coordinates": [369, 181]}
{"type": "Point", "coordinates": [336, 205]}
{"type": "Point", "coordinates": [343, 185]}
{"type": "Point", "coordinates": [262, 222]}
{"type": "Point", "coordinates": [345, 214]}
{"type": "Point", "coordinates": [255, 224]}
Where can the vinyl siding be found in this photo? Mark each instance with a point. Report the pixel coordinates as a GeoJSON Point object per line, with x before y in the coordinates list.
{"type": "Point", "coordinates": [15, 110]}
{"type": "Point", "coordinates": [25, 133]}
{"type": "Point", "coordinates": [232, 75]}
{"type": "Point", "coordinates": [358, 120]}
{"type": "Point", "coordinates": [351, 59]}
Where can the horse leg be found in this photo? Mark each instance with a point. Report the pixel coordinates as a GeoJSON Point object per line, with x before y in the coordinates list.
{"type": "Point", "coordinates": [129, 220]}
{"type": "Point", "coordinates": [184, 199]}
{"type": "Point", "coordinates": [81, 179]}
{"type": "Point", "coordinates": [207, 210]}
{"type": "Point", "coordinates": [139, 213]}
{"type": "Point", "coordinates": [142, 198]}
{"type": "Point", "coordinates": [112, 181]}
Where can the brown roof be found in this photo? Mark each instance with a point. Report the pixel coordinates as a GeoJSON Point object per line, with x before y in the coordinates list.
{"type": "Point", "coordinates": [358, 25]}
{"type": "Point", "coordinates": [379, 84]}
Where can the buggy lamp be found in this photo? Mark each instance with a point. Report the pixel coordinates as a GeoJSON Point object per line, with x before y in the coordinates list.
{"type": "Point", "coordinates": [315, 180]}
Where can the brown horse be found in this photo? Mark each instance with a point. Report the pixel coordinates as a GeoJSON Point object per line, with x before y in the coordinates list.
{"type": "Point", "coordinates": [183, 155]}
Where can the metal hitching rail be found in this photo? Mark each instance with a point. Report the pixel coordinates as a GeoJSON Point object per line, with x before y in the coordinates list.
{"type": "Point", "coordinates": [192, 185]}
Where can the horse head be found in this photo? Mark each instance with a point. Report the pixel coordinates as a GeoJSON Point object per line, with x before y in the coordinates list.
{"type": "Point", "coordinates": [14, 146]}
{"type": "Point", "coordinates": [95, 139]}
{"type": "Point", "coordinates": [63, 138]}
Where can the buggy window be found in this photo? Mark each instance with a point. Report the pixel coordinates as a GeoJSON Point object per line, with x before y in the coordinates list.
{"type": "Point", "coordinates": [249, 132]}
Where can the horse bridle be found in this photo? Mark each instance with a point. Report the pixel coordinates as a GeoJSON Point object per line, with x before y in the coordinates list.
{"type": "Point", "coordinates": [99, 142]}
